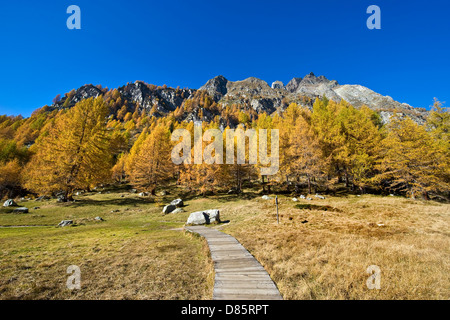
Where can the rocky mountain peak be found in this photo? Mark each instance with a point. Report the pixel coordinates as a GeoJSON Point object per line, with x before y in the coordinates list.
{"type": "Point", "coordinates": [216, 87]}
{"type": "Point", "coordinates": [277, 85]}
{"type": "Point", "coordinates": [293, 84]}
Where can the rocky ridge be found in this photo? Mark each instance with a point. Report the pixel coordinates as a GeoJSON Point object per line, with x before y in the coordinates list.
{"type": "Point", "coordinates": [251, 92]}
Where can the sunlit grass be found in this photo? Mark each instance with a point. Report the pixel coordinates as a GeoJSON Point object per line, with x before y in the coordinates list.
{"type": "Point", "coordinates": [320, 250]}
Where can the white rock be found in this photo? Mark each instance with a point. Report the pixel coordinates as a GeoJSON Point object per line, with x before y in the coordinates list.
{"type": "Point", "coordinates": [169, 208]}
{"type": "Point", "coordinates": [21, 210]}
{"type": "Point", "coordinates": [10, 203]}
{"type": "Point", "coordinates": [65, 223]}
{"type": "Point", "coordinates": [204, 217]}
{"type": "Point", "coordinates": [177, 203]}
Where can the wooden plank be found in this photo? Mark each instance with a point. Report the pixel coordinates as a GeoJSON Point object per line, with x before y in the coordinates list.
{"type": "Point", "coordinates": [239, 276]}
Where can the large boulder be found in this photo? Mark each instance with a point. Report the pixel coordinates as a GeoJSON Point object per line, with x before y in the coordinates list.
{"type": "Point", "coordinates": [21, 210]}
{"type": "Point", "coordinates": [177, 203]}
{"type": "Point", "coordinates": [204, 217]}
{"type": "Point", "coordinates": [169, 208]}
{"type": "Point", "coordinates": [10, 203]}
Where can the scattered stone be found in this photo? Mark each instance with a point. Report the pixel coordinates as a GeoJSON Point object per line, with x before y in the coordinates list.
{"type": "Point", "coordinates": [266, 197]}
{"type": "Point", "coordinates": [164, 193]}
{"type": "Point", "coordinates": [99, 219]}
{"type": "Point", "coordinates": [204, 217]}
{"type": "Point", "coordinates": [305, 221]}
{"type": "Point", "coordinates": [78, 193]}
{"type": "Point", "coordinates": [133, 191]}
{"type": "Point", "coordinates": [294, 199]}
{"type": "Point", "coordinates": [61, 197]}
{"type": "Point", "coordinates": [113, 211]}
{"type": "Point", "coordinates": [380, 224]}
{"type": "Point", "coordinates": [177, 203]}
{"type": "Point", "coordinates": [10, 203]}
{"type": "Point", "coordinates": [143, 194]}
{"type": "Point", "coordinates": [169, 208]}
{"type": "Point", "coordinates": [21, 210]}
{"type": "Point", "coordinates": [320, 197]}
{"type": "Point", "coordinates": [65, 223]}
{"type": "Point", "coordinates": [391, 195]}
{"type": "Point", "coordinates": [36, 208]}
{"type": "Point", "coordinates": [302, 197]}
{"type": "Point", "coordinates": [309, 199]}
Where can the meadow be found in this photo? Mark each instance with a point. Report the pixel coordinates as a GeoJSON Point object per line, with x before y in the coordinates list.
{"type": "Point", "coordinates": [319, 250]}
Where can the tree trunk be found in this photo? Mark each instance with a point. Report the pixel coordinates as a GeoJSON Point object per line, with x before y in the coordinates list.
{"type": "Point", "coordinates": [347, 183]}
{"type": "Point", "coordinates": [309, 184]}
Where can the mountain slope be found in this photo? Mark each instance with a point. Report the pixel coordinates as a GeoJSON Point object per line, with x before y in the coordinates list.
{"type": "Point", "coordinates": [251, 92]}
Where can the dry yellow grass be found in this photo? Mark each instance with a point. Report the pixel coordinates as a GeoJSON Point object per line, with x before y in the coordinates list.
{"type": "Point", "coordinates": [131, 255]}
{"type": "Point", "coordinates": [327, 257]}
{"type": "Point", "coordinates": [135, 254]}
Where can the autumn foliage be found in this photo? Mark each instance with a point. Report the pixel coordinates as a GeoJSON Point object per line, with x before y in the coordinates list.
{"type": "Point", "coordinates": [323, 148]}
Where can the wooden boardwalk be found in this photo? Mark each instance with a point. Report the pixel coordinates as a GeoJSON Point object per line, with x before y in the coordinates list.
{"type": "Point", "coordinates": [239, 276]}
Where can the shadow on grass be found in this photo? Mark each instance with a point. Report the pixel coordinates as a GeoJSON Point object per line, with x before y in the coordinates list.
{"type": "Point", "coordinates": [110, 202]}
{"type": "Point", "coordinates": [307, 206]}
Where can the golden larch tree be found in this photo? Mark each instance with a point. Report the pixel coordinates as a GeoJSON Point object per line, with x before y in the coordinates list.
{"type": "Point", "coordinates": [74, 154]}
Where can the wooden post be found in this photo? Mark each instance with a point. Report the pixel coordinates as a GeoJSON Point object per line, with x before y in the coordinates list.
{"type": "Point", "coordinates": [276, 202]}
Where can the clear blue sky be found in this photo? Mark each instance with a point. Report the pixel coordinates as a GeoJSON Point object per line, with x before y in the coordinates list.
{"type": "Point", "coordinates": [185, 43]}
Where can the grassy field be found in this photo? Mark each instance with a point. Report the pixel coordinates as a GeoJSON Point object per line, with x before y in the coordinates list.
{"type": "Point", "coordinates": [139, 253]}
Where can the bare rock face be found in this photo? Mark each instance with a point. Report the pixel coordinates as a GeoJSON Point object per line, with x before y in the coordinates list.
{"type": "Point", "coordinates": [265, 105]}
{"type": "Point", "coordinates": [293, 85]}
{"type": "Point", "coordinates": [277, 85]}
{"type": "Point", "coordinates": [261, 97]}
{"type": "Point", "coordinates": [216, 87]}
{"type": "Point", "coordinates": [358, 96]}
{"type": "Point", "coordinates": [251, 92]}
{"type": "Point", "coordinates": [146, 96]}
{"type": "Point", "coordinates": [314, 87]}
{"type": "Point", "coordinates": [86, 92]}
